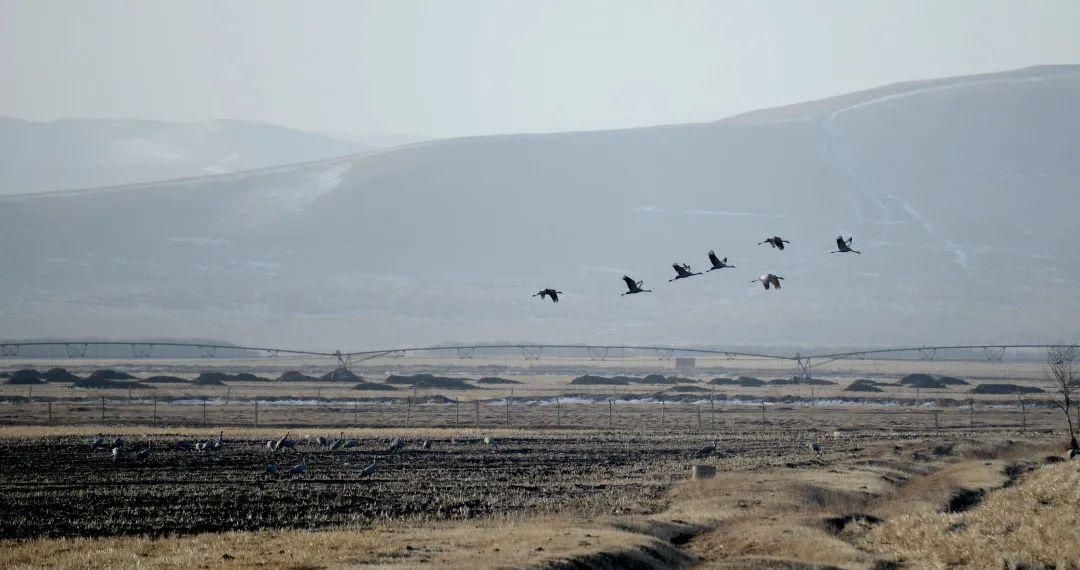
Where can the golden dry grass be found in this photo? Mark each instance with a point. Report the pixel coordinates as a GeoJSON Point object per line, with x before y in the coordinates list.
{"type": "Point", "coordinates": [755, 514]}
{"type": "Point", "coordinates": [544, 541]}
{"type": "Point", "coordinates": [1036, 520]}
{"type": "Point", "coordinates": [776, 517]}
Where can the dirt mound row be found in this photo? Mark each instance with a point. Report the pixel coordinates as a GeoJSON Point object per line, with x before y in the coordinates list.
{"type": "Point", "coordinates": [497, 380]}
{"type": "Point", "coordinates": [296, 376]}
{"type": "Point", "coordinates": [744, 381]}
{"type": "Point", "coordinates": [928, 381]}
{"type": "Point", "coordinates": [373, 386]}
{"type": "Point", "coordinates": [431, 381]}
{"type": "Point", "coordinates": [106, 384]}
{"type": "Point", "coordinates": [863, 385]}
{"type": "Point", "coordinates": [1005, 389]}
{"type": "Point", "coordinates": [165, 380]}
{"type": "Point", "coordinates": [219, 378]}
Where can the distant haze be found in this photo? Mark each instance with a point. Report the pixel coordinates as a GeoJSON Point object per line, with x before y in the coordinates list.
{"type": "Point", "coordinates": [961, 193]}
{"type": "Point", "coordinates": [442, 69]}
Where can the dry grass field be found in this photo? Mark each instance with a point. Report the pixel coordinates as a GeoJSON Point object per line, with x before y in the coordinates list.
{"type": "Point", "coordinates": [581, 483]}
{"type": "Point", "coordinates": [566, 499]}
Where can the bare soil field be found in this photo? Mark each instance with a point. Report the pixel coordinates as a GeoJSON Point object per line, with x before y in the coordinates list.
{"type": "Point", "coordinates": [570, 476]}
{"type": "Point", "coordinates": [79, 491]}
{"type": "Point", "coordinates": [562, 500]}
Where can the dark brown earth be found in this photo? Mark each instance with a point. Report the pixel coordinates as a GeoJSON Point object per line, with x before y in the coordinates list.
{"type": "Point", "coordinates": [60, 487]}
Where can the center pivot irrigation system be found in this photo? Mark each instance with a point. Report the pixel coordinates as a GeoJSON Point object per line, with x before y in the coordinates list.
{"type": "Point", "coordinates": [142, 350]}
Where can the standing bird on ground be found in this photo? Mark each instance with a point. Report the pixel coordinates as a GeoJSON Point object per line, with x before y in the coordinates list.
{"type": "Point", "coordinates": [282, 442]}
{"type": "Point", "coordinates": [815, 447]}
{"type": "Point", "coordinates": [427, 444]}
{"type": "Point", "coordinates": [775, 241]}
{"type": "Point", "coordinates": [369, 470]}
{"type": "Point", "coordinates": [217, 442]}
{"type": "Point", "coordinates": [634, 286]}
{"type": "Point", "coordinates": [549, 293]}
{"type": "Point", "coordinates": [844, 246]}
{"type": "Point", "coordinates": [768, 279]}
{"type": "Point", "coordinates": [682, 271]}
{"type": "Point", "coordinates": [350, 443]}
{"type": "Point", "coordinates": [298, 469]}
{"type": "Point", "coordinates": [322, 441]}
{"type": "Point", "coordinates": [717, 263]}
{"type": "Point", "coordinates": [706, 451]}
{"type": "Point", "coordinates": [116, 454]}
{"type": "Point", "coordinates": [395, 445]}
{"type": "Point", "coordinates": [99, 441]}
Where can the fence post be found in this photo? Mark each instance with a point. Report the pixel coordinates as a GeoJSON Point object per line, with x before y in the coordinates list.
{"type": "Point", "coordinates": [699, 416]}
{"type": "Point", "coordinates": [318, 396]}
{"type": "Point", "coordinates": [916, 395]}
{"type": "Point", "coordinates": [103, 410]}
{"type": "Point", "coordinates": [204, 411]}
{"type": "Point", "coordinates": [663, 412]}
{"type": "Point", "coordinates": [476, 404]}
{"type": "Point", "coordinates": [355, 411]}
{"type": "Point", "coordinates": [558, 412]}
{"type": "Point", "coordinates": [1023, 411]}
{"type": "Point", "coordinates": [971, 413]}
{"type": "Point", "coordinates": [256, 413]}
{"type": "Point", "coordinates": [763, 411]}
{"type": "Point", "coordinates": [155, 409]}
{"type": "Point", "coordinates": [457, 410]}
{"type": "Point", "coordinates": [50, 411]}
{"type": "Point", "coordinates": [30, 392]}
{"type": "Point", "coordinates": [610, 404]}
{"type": "Point", "coordinates": [508, 398]}
{"type": "Point", "coordinates": [712, 411]}
{"type": "Point", "coordinates": [408, 412]}
{"type": "Point", "coordinates": [228, 393]}
{"type": "Point", "coordinates": [937, 425]}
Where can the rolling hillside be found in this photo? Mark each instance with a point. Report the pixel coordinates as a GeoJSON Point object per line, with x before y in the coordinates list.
{"type": "Point", "coordinates": [961, 194]}
{"type": "Point", "coordinates": [85, 153]}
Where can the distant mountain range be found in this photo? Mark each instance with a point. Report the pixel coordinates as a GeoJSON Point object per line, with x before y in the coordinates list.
{"type": "Point", "coordinates": [961, 193]}
{"type": "Point", "coordinates": [86, 153]}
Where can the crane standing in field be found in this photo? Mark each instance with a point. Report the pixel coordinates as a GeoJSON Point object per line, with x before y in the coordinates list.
{"type": "Point", "coordinates": [776, 241]}
{"type": "Point", "coordinates": [682, 271]}
{"type": "Point", "coordinates": [634, 286]}
{"type": "Point", "coordinates": [844, 246]}
{"type": "Point", "coordinates": [549, 292]}
{"type": "Point", "coordinates": [718, 263]}
{"type": "Point", "coordinates": [369, 470]}
{"type": "Point", "coordinates": [299, 468]}
{"type": "Point", "coordinates": [769, 279]}
{"type": "Point", "coordinates": [279, 443]}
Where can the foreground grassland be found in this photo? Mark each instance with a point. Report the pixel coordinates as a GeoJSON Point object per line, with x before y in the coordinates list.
{"type": "Point", "coordinates": [561, 499]}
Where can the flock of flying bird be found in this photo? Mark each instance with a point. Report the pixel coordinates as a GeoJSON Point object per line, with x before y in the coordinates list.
{"type": "Point", "coordinates": [683, 271]}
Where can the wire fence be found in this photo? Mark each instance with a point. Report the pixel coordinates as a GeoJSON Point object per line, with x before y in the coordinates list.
{"type": "Point", "coordinates": [702, 414]}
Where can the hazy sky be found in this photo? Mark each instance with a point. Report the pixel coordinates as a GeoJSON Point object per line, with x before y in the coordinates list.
{"type": "Point", "coordinates": [465, 68]}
